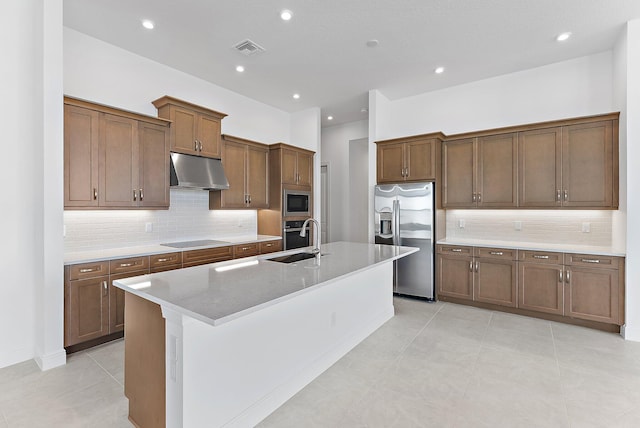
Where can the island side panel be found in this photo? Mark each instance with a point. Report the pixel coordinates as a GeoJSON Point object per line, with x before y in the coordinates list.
{"type": "Point", "coordinates": [144, 362]}
{"type": "Point", "coordinates": [237, 373]}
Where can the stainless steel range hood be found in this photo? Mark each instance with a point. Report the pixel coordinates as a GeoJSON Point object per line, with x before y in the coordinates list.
{"type": "Point", "coordinates": [195, 172]}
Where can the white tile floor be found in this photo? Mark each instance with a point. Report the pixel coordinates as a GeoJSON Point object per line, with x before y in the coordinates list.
{"type": "Point", "coordinates": [440, 365]}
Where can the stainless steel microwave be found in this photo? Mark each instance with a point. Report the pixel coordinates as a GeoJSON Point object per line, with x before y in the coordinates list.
{"type": "Point", "coordinates": [297, 203]}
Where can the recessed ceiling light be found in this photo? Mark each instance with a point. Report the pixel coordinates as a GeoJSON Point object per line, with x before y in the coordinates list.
{"type": "Point", "coordinates": [564, 36]}
{"type": "Point", "coordinates": [372, 43]}
{"type": "Point", "coordinates": [439, 70]}
{"type": "Point", "coordinates": [329, 117]}
{"type": "Point", "coordinates": [148, 24]}
{"type": "Point", "coordinates": [296, 96]}
{"type": "Point", "coordinates": [286, 15]}
{"type": "Point", "coordinates": [239, 69]}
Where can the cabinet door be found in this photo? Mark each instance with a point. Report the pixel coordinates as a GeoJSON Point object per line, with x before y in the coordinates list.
{"type": "Point", "coordinates": [234, 161]}
{"type": "Point", "coordinates": [289, 166]}
{"type": "Point", "coordinates": [184, 131]}
{"type": "Point", "coordinates": [497, 160]}
{"type": "Point", "coordinates": [587, 165]}
{"type": "Point", "coordinates": [495, 282]}
{"type": "Point", "coordinates": [421, 160]}
{"type": "Point", "coordinates": [455, 277]}
{"type": "Point", "coordinates": [593, 294]}
{"type": "Point", "coordinates": [80, 157]}
{"type": "Point", "coordinates": [390, 163]}
{"type": "Point", "coordinates": [86, 309]}
{"type": "Point", "coordinates": [118, 162]}
{"type": "Point", "coordinates": [154, 165]}
{"type": "Point", "coordinates": [116, 301]}
{"type": "Point", "coordinates": [540, 287]}
{"type": "Point", "coordinates": [540, 168]}
{"type": "Point", "coordinates": [458, 162]}
{"type": "Point", "coordinates": [258, 176]}
{"type": "Point", "coordinates": [209, 135]}
{"type": "Point", "coordinates": [305, 169]}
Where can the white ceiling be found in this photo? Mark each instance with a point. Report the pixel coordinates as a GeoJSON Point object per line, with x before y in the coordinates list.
{"type": "Point", "coordinates": [322, 53]}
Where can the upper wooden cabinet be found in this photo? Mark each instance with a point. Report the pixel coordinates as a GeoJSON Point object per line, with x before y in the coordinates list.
{"type": "Point", "coordinates": [195, 130]}
{"type": "Point", "coordinates": [408, 159]}
{"type": "Point", "coordinates": [246, 164]}
{"type": "Point", "coordinates": [114, 158]}
{"type": "Point", "coordinates": [480, 172]}
{"type": "Point", "coordinates": [569, 166]}
{"type": "Point", "coordinates": [297, 167]}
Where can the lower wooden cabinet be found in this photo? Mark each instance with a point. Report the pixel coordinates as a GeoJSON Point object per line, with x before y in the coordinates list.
{"type": "Point", "coordinates": [86, 313]}
{"type": "Point", "coordinates": [579, 286]}
{"type": "Point", "coordinates": [206, 255]}
{"type": "Point", "coordinates": [270, 246]}
{"type": "Point", "coordinates": [245, 250]}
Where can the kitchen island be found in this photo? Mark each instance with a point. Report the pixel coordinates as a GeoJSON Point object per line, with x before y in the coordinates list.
{"type": "Point", "coordinates": [225, 344]}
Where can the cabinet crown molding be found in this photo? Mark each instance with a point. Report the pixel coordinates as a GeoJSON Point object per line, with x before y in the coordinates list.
{"type": "Point", "coordinates": [103, 108]}
{"type": "Point", "coordinates": [162, 101]}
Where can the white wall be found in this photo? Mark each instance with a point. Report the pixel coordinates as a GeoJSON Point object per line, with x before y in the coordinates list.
{"type": "Point", "coordinates": [31, 265]}
{"type": "Point", "coordinates": [100, 72]}
{"type": "Point", "coordinates": [358, 201]}
{"type": "Point", "coordinates": [335, 153]}
{"type": "Point", "coordinates": [627, 90]}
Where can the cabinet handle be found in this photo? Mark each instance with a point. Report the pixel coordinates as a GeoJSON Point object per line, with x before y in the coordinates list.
{"type": "Point", "coordinates": [195, 145]}
{"type": "Point", "coordinates": [268, 245]}
{"type": "Point", "coordinates": [104, 288]}
{"type": "Point", "coordinates": [568, 277]}
{"type": "Point", "coordinates": [249, 198]}
{"type": "Point", "coordinates": [135, 195]}
{"type": "Point", "coordinates": [473, 197]}
{"type": "Point", "coordinates": [535, 256]}
{"type": "Point", "coordinates": [245, 248]}
{"type": "Point", "coordinates": [456, 250]}
{"type": "Point", "coordinates": [126, 264]}
{"type": "Point", "coordinates": [476, 266]}
{"type": "Point", "coordinates": [141, 195]}
{"type": "Point", "coordinates": [162, 260]}
{"type": "Point", "coordinates": [558, 195]}
{"type": "Point", "coordinates": [95, 194]}
{"type": "Point", "coordinates": [479, 197]}
{"type": "Point", "coordinates": [200, 145]}
{"type": "Point", "coordinates": [590, 260]}
{"type": "Point", "coordinates": [496, 253]}
{"type": "Point", "coordinates": [470, 266]}
{"type": "Point", "coordinates": [566, 195]}
{"type": "Point", "coordinates": [561, 280]}
{"type": "Point", "coordinates": [85, 270]}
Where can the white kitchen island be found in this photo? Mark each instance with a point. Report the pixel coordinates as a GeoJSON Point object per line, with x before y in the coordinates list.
{"type": "Point", "coordinates": [232, 341]}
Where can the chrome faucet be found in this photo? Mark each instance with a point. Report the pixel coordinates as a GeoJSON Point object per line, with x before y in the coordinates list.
{"type": "Point", "coordinates": [316, 238]}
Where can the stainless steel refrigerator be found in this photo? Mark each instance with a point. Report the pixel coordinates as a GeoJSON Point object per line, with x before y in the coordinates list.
{"type": "Point", "coordinates": [404, 215]}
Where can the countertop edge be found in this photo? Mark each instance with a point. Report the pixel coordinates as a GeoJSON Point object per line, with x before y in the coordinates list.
{"type": "Point", "coordinates": [535, 246]}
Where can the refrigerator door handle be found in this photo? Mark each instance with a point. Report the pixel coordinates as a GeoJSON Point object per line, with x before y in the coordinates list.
{"type": "Point", "coordinates": [396, 219]}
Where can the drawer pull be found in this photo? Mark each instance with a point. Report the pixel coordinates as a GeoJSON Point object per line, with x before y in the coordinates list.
{"type": "Point", "coordinates": [456, 250]}
{"type": "Point", "coordinates": [85, 270]}
{"type": "Point", "coordinates": [163, 260]}
{"type": "Point", "coordinates": [496, 253]}
{"type": "Point", "coordinates": [535, 256]}
{"type": "Point", "coordinates": [268, 245]}
{"type": "Point", "coordinates": [245, 248]}
{"type": "Point", "coordinates": [104, 288]}
{"type": "Point", "coordinates": [590, 260]}
{"type": "Point", "coordinates": [126, 264]}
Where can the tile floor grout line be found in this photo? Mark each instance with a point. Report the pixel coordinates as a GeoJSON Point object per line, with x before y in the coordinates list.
{"type": "Point", "coordinates": [559, 372]}
{"type": "Point", "coordinates": [404, 348]}
{"type": "Point", "coordinates": [104, 369]}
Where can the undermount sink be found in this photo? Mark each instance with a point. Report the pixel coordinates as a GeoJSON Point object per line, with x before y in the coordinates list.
{"type": "Point", "coordinates": [296, 257]}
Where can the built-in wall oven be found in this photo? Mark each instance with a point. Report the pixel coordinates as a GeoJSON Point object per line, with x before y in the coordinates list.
{"type": "Point", "coordinates": [291, 235]}
{"type": "Point", "coordinates": [297, 203]}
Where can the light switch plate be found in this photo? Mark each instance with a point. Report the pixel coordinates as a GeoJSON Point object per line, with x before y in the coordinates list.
{"type": "Point", "coordinates": [517, 225]}
{"type": "Point", "coordinates": [148, 227]}
{"type": "Point", "coordinates": [586, 227]}
{"type": "Point", "coordinates": [461, 223]}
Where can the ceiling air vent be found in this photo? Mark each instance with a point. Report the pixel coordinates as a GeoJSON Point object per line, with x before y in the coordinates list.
{"type": "Point", "coordinates": [248, 48]}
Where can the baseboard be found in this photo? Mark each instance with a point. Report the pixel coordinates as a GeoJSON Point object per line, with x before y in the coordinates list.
{"type": "Point", "coordinates": [298, 381]}
{"type": "Point", "coordinates": [15, 356]}
{"type": "Point", "coordinates": [51, 360]}
{"type": "Point", "coordinates": [632, 334]}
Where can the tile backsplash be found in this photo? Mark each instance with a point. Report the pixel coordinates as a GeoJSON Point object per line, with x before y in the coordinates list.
{"type": "Point", "coordinates": [544, 226]}
{"type": "Point", "coordinates": [188, 218]}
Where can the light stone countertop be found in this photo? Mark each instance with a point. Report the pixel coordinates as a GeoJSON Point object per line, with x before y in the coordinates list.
{"type": "Point", "coordinates": [215, 296]}
{"type": "Point", "coordinates": [75, 257]}
{"type": "Point", "coordinates": [536, 246]}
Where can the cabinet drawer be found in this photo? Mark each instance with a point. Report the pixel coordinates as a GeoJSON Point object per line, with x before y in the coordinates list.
{"type": "Point", "coordinates": [130, 264]}
{"type": "Point", "coordinates": [455, 250]}
{"type": "Point", "coordinates": [270, 246]}
{"type": "Point", "coordinates": [592, 261]}
{"type": "Point", "coordinates": [496, 253]}
{"type": "Point", "coordinates": [208, 255]}
{"type": "Point", "coordinates": [541, 257]}
{"type": "Point", "coordinates": [88, 270]}
{"type": "Point", "coordinates": [245, 250]}
{"type": "Point", "coordinates": [163, 260]}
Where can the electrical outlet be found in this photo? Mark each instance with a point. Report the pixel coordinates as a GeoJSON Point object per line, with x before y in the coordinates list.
{"type": "Point", "coordinates": [586, 227]}
{"type": "Point", "coordinates": [517, 225]}
{"type": "Point", "coordinates": [148, 227]}
{"type": "Point", "coordinates": [461, 223]}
